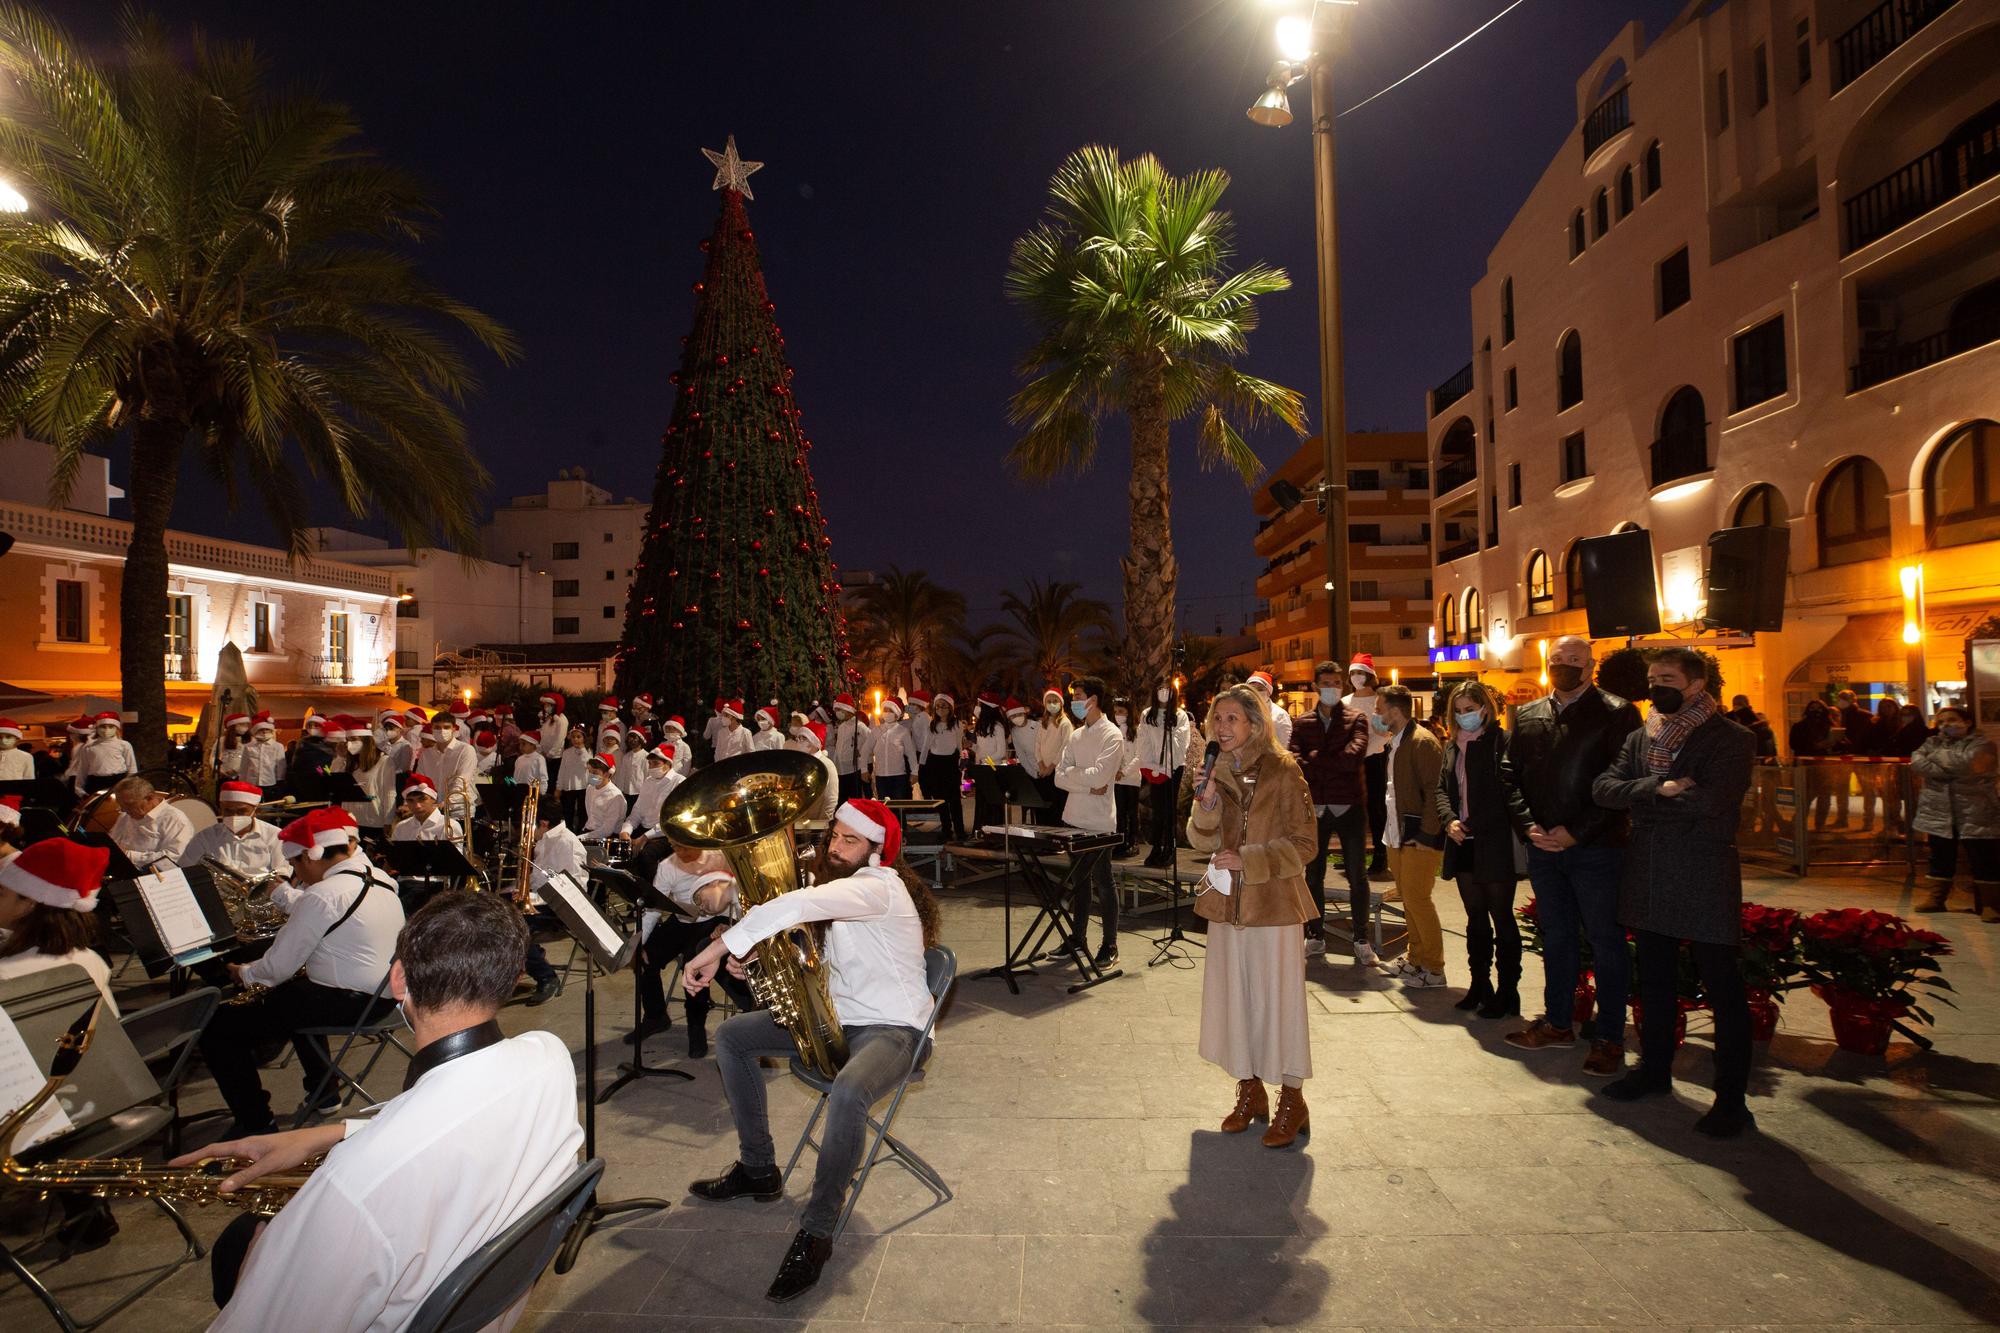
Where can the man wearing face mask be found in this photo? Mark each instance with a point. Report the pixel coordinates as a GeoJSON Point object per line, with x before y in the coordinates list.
{"type": "Point", "coordinates": [16, 764]}
{"type": "Point", "coordinates": [450, 764]}
{"type": "Point", "coordinates": [768, 736]}
{"type": "Point", "coordinates": [1576, 849]}
{"type": "Point", "coordinates": [1331, 745]}
{"type": "Point", "coordinates": [731, 739]}
{"type": "Point", "coordinates": [1682, 775]}
{"type": "Point", "coordinates": [1087, 771]}
{"type": "Point", "coordinates": [1375, 772]}
{"type": "Point", "coordinates": [603, 803]}
{"type": "Point", "coordinates": [238, 839]}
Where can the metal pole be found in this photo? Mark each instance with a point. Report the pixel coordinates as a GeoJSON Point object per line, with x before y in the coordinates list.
{"type": "Point", "coordinates": [1332, 387]}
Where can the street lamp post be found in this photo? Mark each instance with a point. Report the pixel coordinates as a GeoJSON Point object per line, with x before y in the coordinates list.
{"type": "Point", "coordinates": [1306, 50]}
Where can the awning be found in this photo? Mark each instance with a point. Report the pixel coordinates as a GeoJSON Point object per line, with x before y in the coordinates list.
{"type": "Point", "coordinates": [62, 708]}
{"type": "Point", "coordinates": [1871, 648]}
{"type": "Point", "coordinates": [13, 698]}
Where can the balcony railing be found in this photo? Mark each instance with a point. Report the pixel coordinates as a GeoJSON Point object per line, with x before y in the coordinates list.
{"type": "Point", "coordinates": [330, 671]}
{"type": "Point", "coordinates": [1447, 554]}
{"type": "Point", "coordinates": [1452, 390]}
{"type": "Point", "coordinates": [1879, 32]}
{"type": "Point", "coordinates": [1453, 473]}
{"type": "Point", "coordinates": [1970, 157]}
{"type": "Point", "coordinates": [181, 666]}
{"type": "Point", "coordinates": [1681, 454]}
{"type": "Point", "coordinates": [1902, 358]}
{"type": "Point", "coordinates": [1606, 119]}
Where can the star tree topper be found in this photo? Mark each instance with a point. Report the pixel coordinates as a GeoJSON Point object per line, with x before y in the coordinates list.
{"type": "Point", "coordinates": [731, 171]}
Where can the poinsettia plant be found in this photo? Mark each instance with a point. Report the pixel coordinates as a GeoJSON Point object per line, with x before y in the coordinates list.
{"type": "Point", "coordinates": [1770, 949]}
{"type": "Point", "coordinates": [1876, 956]}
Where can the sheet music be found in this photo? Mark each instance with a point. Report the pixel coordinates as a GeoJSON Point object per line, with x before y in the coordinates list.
{"type": "Point", "coordinates": [563, 886]}
{"type": "Point", "coordinates": [20, 1079]}
{"type": "Point", "coordinates": [170, 901]}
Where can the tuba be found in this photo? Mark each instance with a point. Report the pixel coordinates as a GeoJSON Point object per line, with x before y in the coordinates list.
{"type": "Point", "coordinates": [131, 1177]}
{"type": "Point", "coordinates": [247, 898]}
{"type": "Point", "coordinates": [744, 808]}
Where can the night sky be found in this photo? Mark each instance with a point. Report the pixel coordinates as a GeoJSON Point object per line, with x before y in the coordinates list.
{"type": "Point", "coordinates": [906, 146]}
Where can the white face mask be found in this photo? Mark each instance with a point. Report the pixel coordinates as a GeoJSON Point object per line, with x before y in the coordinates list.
{"type": "Point", "coordinates": [1329, 695]}
{"type": "Point", "coordinates": [8, 742]}
{"type": "Point", "coordinates": [263, 737]}
{"type": "Point", "coordinates": [354, 747]}
{"type": "Point", "coordinates": [599, 779]}
{"type": "Point", "coordinates": [656, 770]}
{"type": "Point", "coordinates": [106, 733]}
{"type": "Point", "coordinates": [238, 823]}
{"type": "Point", "coordinates": [442, 734]}
{"type": "Point", "coordinates": [763, 724]}
{"type": "Point", "coordinates": [1119, 718]}
{"type": "Point", "coordinates": [1163, 694]}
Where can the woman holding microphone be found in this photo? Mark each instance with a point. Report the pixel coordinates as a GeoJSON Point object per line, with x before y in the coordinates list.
{"type": "Point", "coordinates": [1255, 814]}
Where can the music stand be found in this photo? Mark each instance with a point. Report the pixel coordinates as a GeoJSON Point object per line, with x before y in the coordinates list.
{"type": "Point", "coordinates": [501, 800]}
{"type": "Point", "coordinates": [111, 1077]}
{"type": "Point", "coordinates": [310, 786]}
{"type": "Point", "coordinates": [139, 901]}
{"type": "Point", "coordinates": [102, 782]}
{"type": "Point", "coordinates": [120, 866]}
{"type": "Point", "coordinates": [628, 886]}
{"type": "Point", "coordinates": [570, 901]}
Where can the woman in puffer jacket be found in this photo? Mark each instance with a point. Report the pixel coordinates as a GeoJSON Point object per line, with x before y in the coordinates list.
{"type": "Point", "coordinates": [1959, 809]}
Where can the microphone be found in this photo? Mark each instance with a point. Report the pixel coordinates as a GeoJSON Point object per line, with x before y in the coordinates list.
{"type": "Point", "coordinates": [1208, 758]}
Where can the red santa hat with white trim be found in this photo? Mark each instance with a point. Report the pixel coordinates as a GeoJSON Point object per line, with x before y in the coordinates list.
{"type": "Point", "coordinates": [239, 792]}
{"type": "Point", "coordinates": [876, 822]}
{"type": "Point", "coordinates": [486, 740]}
{"type": "Point", "coordinates": [10, 810]}
{"type": "Point", "coordinates": [814, 732]}
{"type": "Point", "coordinates": [608, 704]}
{"type": "Point", "coordinates": [419, 783]}
{"type": "Point", "coordinates": [1016, 711]}
{"type": "Point", "coordinates": [9, 727]}
{"type": "Point", "coordinates": [1363, 662]}
{"type": "Point", "coordinates": [944, 697]}
{"type": "Point", "coordinates": [56, 872]}
{"type": "Point", "coordinates": [315, 834]}
{"type": "Point", "coordinates": [607, 762]}
{"type": "Point", "coordinates": [334, 728]}
{"type": "Point", "coordinates": [389, 717]}
{"type": "Point", "coordinates": [921, 698]}
{"type": "Point", "coordinates": [533, 738]}
{"type": "Point", "coordinates": [892, 707]}
{"type": "Point", "coordinates": [644, 701]}
{"type": "Point", "coordinates": [262, 722]}
{"type": "Point", "coordinates": [553, 700]}
{"type": "Point", "coordinates": [1262, 680]}
{"type": "Point", "coordinates": [674, 725]}
{"type": "Point", "coordinates": [733, 708]}
{"type": "Point", "coordinates": [843, 700]}
{"type": "Point", "coordinates": [664, 752]}
{"type": "Point", "coordinates": [769, 711]}
{"type": "Point", "coordinates": [236, 722]}
{"type": "Point", "coordinates": [108, 719]}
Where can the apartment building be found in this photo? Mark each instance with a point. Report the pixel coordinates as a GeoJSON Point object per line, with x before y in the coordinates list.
{"type": "Point", "coordinates": [589, 541]}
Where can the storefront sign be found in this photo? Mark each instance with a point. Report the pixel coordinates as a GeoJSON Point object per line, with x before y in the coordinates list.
{"type": "Point", "coordinates": [1456, 652]}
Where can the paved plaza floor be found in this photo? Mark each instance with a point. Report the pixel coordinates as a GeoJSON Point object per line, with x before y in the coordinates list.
{"type": "Point", "coordinates": [1448, 1179]}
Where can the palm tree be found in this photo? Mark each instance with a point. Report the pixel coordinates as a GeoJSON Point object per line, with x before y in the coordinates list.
{"type": "Point", "coordinates": [1049, 634]}
{"type": "Point", "coordinates": [1134, 313]}
{"type": "Point", "coordinates": [206, 265]}
{"type": "Point", "coordinates": [904, 624]}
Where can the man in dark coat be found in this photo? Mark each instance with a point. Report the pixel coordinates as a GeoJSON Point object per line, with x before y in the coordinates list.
{"type": "Point", "coordinates": [1576, 849]}
{"type": "Point", "coordinates": [1331, 745]}
{"type": "Point", "coordinates": [1682, 775]}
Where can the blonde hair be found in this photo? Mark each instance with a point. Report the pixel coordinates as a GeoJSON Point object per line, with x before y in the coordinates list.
{"type": "Point", "coordinates": [1262, 740]}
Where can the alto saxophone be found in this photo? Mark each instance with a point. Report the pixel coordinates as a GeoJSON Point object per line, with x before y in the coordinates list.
{"type": "Point", "coordinates": [132, 1177]}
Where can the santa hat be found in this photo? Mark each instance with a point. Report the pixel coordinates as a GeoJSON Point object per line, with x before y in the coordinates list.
{"type": "Point", "coordinates": [891, 706]}
{"type": "Point", "coordinates": [814, 732]}
{"type": "Point", "coordinates": [662, 752]}
{"type": "Point", "coordinates": [720, 703]}
{"type": "Point", "coordinates": [486, 740]}
{"type": "Point", "coordinates": [56, 872]}
{"type": "Point", "coordinates": [608, 704]}
{"type": "Point", "coordinates": [10, 810]}
{"type": "Point", "coordinates": [419, 783]}
{"type": "Point", "coordinates": [674, 726]}
{"type": "Point", "coordinates": [240, 792]}
{"type": "Point", "coordinates": [389, 717]}
{"type": "Point", "coordinates": [733, 708]}
{"type": "Point", "coordinates": [921, 698]}
{"type": "Point", "coordinates": [1263, 679]}
{"type": "Point", "coordinates": [607, 762]}
{"type": "Point", "coordinates": [844, 701]}
{"type": "Point", "coordinates": [81, 727]}
{"type": "Point", "coordinates": [1363, 662]}
{"type": "Point", "coordinates": [768, 711]}
{"type": "Point", "coordinates": [460, 712]}
{"type": "Point", "coordinates": [637, 734]}
{"type": "Point", "coordinates": [1052, 693]}
{"type": "Point", "coordinates": [235, 720]}
{"type": "Point", "coordinates": [314, 720]}
{"type": "Point", "coordinates": [263, 722]}
{"type": "Point", "coordinates": [945, 699]}
{"type": "Point", "coordinates": [554, 701]}
{"type": "Point", "coordinates": [314, 835]}
{"type": "Point", "coordinates": [1014, 706]}
{"type": "Point", "coordinates": [481, 715]}
{"type": "Point", "coordinates": [643, 701]}
{"type": "Point", "coordinates": [334, 729]}
{"type": "Point", "coordinates": [533, 738]}
{"type": "Point", "coordinates": [107, 719]}
{"type": "Point", "coordinates": [415, 718]}
{"type": "Point", "coordinates": [876, 822]}
{"type": "Point", "coordinates": [9, 727]}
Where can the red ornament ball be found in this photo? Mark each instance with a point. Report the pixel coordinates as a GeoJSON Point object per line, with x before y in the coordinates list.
{"type": "Point", "coordinates": [763, 573]}
{"type": "Point", "coordinates": [704, 245]}
{"type": "Point", "coordinates": [756, 645]}
{"type": "Point", "coordinates": [757, 545]}
{"type": "Point", "coordinates": [708, 453]}
{"type": "Point", "coordinates": [722, 358]}
{"type": "Point", "coordinates": [699, 288]}
{"type": "Point", "coordinates": [769, 306]}
{"type": "Point", "coordinates": [743, 624]}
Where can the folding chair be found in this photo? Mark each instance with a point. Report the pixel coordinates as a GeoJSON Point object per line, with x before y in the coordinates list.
{"type": "Point", "coordinates": [369, 1025]}
{"type": "Point", "coordinates": [490, 1280]}
{"type": "Point", "coordinates": [940, 966]}
{"type": "Point", "coordinates": [166, 1034]}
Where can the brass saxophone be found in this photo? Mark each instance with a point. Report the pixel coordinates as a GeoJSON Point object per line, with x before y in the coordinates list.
{"type": "Point", "coordinates": [745, 808]}
{"type": "Point", "coordinates": [132, 1177]}
{"type": "Point", "coordinates": [524, 848]}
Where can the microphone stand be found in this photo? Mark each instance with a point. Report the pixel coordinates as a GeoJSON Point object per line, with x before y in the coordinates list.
{"type": "Point", "coordinates": [1172, 947]}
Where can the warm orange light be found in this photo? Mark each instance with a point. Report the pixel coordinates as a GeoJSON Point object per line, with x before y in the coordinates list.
{"type": "Point", "coordinates": [1543, 646]}
{"type": "Point", "coordinates": [1912, 577]}
{"type": "Point", "coordinates": [466, 694]}
{"type": "Point", "coordinates": [1395, 675]}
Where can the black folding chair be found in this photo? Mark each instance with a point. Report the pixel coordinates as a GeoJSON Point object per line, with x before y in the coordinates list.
{"type": "Point", "coordinates": [940, 966]}
{"type": "Point", "coordinates": [499, 1273]}
{"type": "Point", "coordinates": [374, 1024]}
{"type": "Point", "coordinates": [165, 1035]}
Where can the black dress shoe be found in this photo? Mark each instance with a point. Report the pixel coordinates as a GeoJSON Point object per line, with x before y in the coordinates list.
{"type": "Point", "coordinates": [647, 1027]}
{"type": "Point", "coordinates": [738, 1182]}
{"type": "Point", "coordinates": [1105, 958]}
{"type": "Point", "coordinates": [1639, 1083]}
{"type": "Point", "coordinates": [544, 992]}
{"type": "Point", "coordinates": [1726, 1122]}
{"type": "Point", "coordinates": [801, 1268]}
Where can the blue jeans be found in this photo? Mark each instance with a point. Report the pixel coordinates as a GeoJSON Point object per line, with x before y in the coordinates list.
{"type": "Point", "coordinates": [1576, 898]}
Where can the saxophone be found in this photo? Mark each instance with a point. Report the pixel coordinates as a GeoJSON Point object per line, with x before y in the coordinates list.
{"type": "Point", "coordinates": [132, 1177]}
{"type": "Point", "coordinates": [524, 849]}
{"type": "Point", "coordinates": [745, 807]}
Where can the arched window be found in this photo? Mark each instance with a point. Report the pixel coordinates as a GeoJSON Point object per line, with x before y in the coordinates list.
{"type": "Point", "coordinates": [1600, 212]}
{"type": "Point", "coordinates": [1573, 580]}
{"type": "Point", "coordinates": [1625, 194]}
{"type": "Point", "coordinates": [1682, 447]}
{"type": "Point", "coordinates": [1962, 487]}
{"type": "Point", "coordinates": [1576, 233]}
{"type": "Point", "coordinates": [1761, 507]}
{"type": "Point", "coordinates": [1541, 584]}
{"type": "Point", "coordinates": [1506, 311]}
{"type": "Point", "coordinates": [1569, 371]}
{"type": "Point", "coordinates": [1475, 617]}
{"type": "Point", "coordinates": [1853, 513]}
{"type": "Point", "coordinates": [1448, 619]}
{"type": "Point", "coordinates": [1650, 165]}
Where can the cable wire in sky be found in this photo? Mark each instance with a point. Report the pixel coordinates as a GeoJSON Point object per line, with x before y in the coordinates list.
{"type": "Point", "coordinates": [1434, 59]}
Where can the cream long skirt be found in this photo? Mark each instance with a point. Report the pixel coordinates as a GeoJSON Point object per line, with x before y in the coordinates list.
{"type": "Point", "coordinates": [1253, 1003]}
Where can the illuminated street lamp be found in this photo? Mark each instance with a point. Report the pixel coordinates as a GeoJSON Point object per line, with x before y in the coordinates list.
{"type": "Point", "coordinates": [1913, 634]}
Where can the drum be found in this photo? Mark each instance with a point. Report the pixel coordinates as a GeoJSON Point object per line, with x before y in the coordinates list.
{"type": "Point", "coordinates": [199, 815]}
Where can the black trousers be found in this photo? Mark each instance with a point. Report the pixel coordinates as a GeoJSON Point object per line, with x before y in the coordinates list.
{"type": "Point", "coordinates": [1052, 794]}
{"type": "Point", "coordinates": [229, 1044]}
{"type": "Point", "coordinates": [1981, 854]}
{"type": "Point", "coordinates": [676, 937]}
{"type": "Point", "coordinates": [1375, 774]}
{"type": "Point", "coordinates": [940, 778]}
{"type": "Point", "coordinates": [1722, 982]}
{"type": "Point", "coordinates": [1095, 877]}
{"type": "Point", "coordinates": [1353, 829]}
{"type": "Point", "coordinates": [1492, 935]}
{"type": "Point", "coordinates": [572, 809]}
{"type": "Point", "coordinates": [850, 786]}
{"type": "Point", "coordinates": [1126, 797]}
{"type": "Point", "coordinates": [1164, 801]}
{"type": "Point", "coordinates": [892, 787]}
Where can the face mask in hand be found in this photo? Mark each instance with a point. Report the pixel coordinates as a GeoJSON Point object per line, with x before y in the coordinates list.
{"type": "Point", "coordinates": [238, 823]}
{"type": "Point", "coordinates": [1665, 698]}
{"type": "Point", "coordinates": [1329, 696]}
{"type": "Point", "coordinates": [1565, 676]}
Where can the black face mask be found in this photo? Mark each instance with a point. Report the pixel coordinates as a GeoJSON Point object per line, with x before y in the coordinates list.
{"type": "Point", "coordinates": [1565, 676]}
{"type": "Point", "coordinates": [1665, 698]}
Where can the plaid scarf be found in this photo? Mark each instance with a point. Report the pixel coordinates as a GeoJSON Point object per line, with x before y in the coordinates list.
{"type": "Point", "coordinates": [1667, 732]}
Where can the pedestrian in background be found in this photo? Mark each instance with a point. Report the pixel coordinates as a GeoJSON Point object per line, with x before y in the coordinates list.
{"type": "Point", "coordinates": [1959, 810]}
{"type": "Point", "coordinates": [1331, 746]}
{"type": "Point", "coordinates": [1414, 838]}
{"type": "Point", "coordinates": [1484, 824]}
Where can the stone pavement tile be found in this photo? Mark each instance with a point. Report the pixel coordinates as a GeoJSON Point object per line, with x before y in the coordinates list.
{"type": "Point", "coordinates": [1343, 1003]}
{"type": "Point", "coordinates": [617, 1268]}
{"type": "Point", "coordinates": [745, 1216]}
{"type": "Point", "coordinates": [949, 1278]}
{"type": "Point", "coordinates": [724, 1276]}
{"type": "Point", "coordinates": [1964, 1205]}
{"type": "Point", "coordinates": [1271, 1281]}
{"type": "Point", "coordinates": [1533, 1200]}
{"type": "Point", "coordinates": [1489, 1280]}
{"type": "Point", "coordinates": [1374, 1200]}
{"type": "Point", "coordinates": [577, 1321]}
{"type": "Point", "coordinates": [1218, 1200]}
{"type": "Point", "coordinates": [997, 1202]}
{"type": "Point", "coordinates": [1447, 1140]}
{"type": "Point", "coordinates": [1092, 1281]}
{"type": "Point", "coordinates": [1428, 1093]}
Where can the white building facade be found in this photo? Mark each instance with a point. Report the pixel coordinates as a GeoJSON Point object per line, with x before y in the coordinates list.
{"type": "Point", "coordinates": [587, 539]}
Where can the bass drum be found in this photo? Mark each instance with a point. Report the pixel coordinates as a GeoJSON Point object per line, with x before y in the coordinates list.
{"type": "Point", "coordinates": [199, 815]}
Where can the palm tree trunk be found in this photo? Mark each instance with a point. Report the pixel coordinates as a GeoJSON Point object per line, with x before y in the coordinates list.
{"type": "Point", "coordinates": [1151, 573]}
{"type": "Point", "coordinates": [142, 597]}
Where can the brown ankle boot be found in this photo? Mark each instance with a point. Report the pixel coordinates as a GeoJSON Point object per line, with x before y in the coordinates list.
{"type": "Point", "coordinates": [1251, 1104]}
{"type": "Point", "coordinates": [1290, 1120]}
{"type": "Point", "coordinates": [1936, 893]}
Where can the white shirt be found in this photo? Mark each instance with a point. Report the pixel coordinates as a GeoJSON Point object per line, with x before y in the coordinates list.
{"type": "Point", "coordinates": [681, 751]}
{"type": "Point", "coordinates": [101, 759]}
{"type": "Point", "coordinates": [1392, 827]}
{"type": "Point", "coordinates": [356, 956]}
{"type": "Point", "coordinates": [488, 759]}
{"type": "Point", "coordinates": [603, 811]}
{"type": "Point", "coordinates": [609, 728]}
{"type": "Point", "coordinates": [560, 850]}
{"type": "Point", "coordinates": [16, 765]}
{"type": "Point", "coordinates": [410, 1193]}
{"type": "Point", "coordinates": [1128, 763]}
{"type": "Point", "coordinates": [935, 742]}
{"type": "Point", "coordinates": [1049, 745]}
{"type": "Point", "coordinates": [1370, 706]}
{"type": "Point", "coordinates": [379, 783]}
{"type": "Point", "coordinates": [874, 944]}
{"type": "Point", "coordinates": [713, 727]}
{"type": "Point", "coordinates": [254, 853]}
{"type": "Point", "coordinates": [892, 752]}
{"type": "Point", "coordinates": [679, 882]}
{"type": "Point", "coordinates": [847, 742]}
{"type": "Point", "coordinates": [263, 763]}
{"type": "Point", "coordinates": [530, 768]}
{"type": "Point", "coordinates": [1281, 724]}
{"type": "Point", "coordinates": [631, 771]}
{"type": "Point", "coordinates": [992, 748]}
{"type": "Point", "coordinates": [21, 964]}
{"type": "Point", "coordinates": [1163, 745]}
{"type": "Point", "coordinates": [555, 734]}
{"type": "Point", "coordinates": [433, 827]}
{"type": "Point", "coordinates": [445, 765]}
{"type": "Point", "coordinates": [1091, 758]}
{"type": "Point", "coordinates": [653, 793]}
{"type": "Point", "coordinates": [829, 795]}
{"type": "Point", "coordinates": [767, 738]}
{"type": "Point", "coordinates": [162, 835]}
{"type": "Point", "coordinates": [1027, 736]}
{"type": "Point", "coordinates": [573, 772]}
{"type": "Point", "coordinates": [732, 741]}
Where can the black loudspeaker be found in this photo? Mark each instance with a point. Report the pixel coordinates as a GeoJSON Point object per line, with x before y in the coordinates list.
{"type": "Point", "coordinates": [1746, 577]}
{"type": "Point", "coordinates": [1620, 593]}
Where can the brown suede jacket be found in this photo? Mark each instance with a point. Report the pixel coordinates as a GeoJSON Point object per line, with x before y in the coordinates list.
{"type": "Point", "coordinates": [1270, 890]}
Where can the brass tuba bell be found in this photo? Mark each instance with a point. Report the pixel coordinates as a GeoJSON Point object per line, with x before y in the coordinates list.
{"type": "Point", "coordinates": [745, 808]}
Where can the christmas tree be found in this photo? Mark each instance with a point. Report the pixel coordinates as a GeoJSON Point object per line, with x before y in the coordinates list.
{"type": "Point", "coordinates": [735, 592]}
